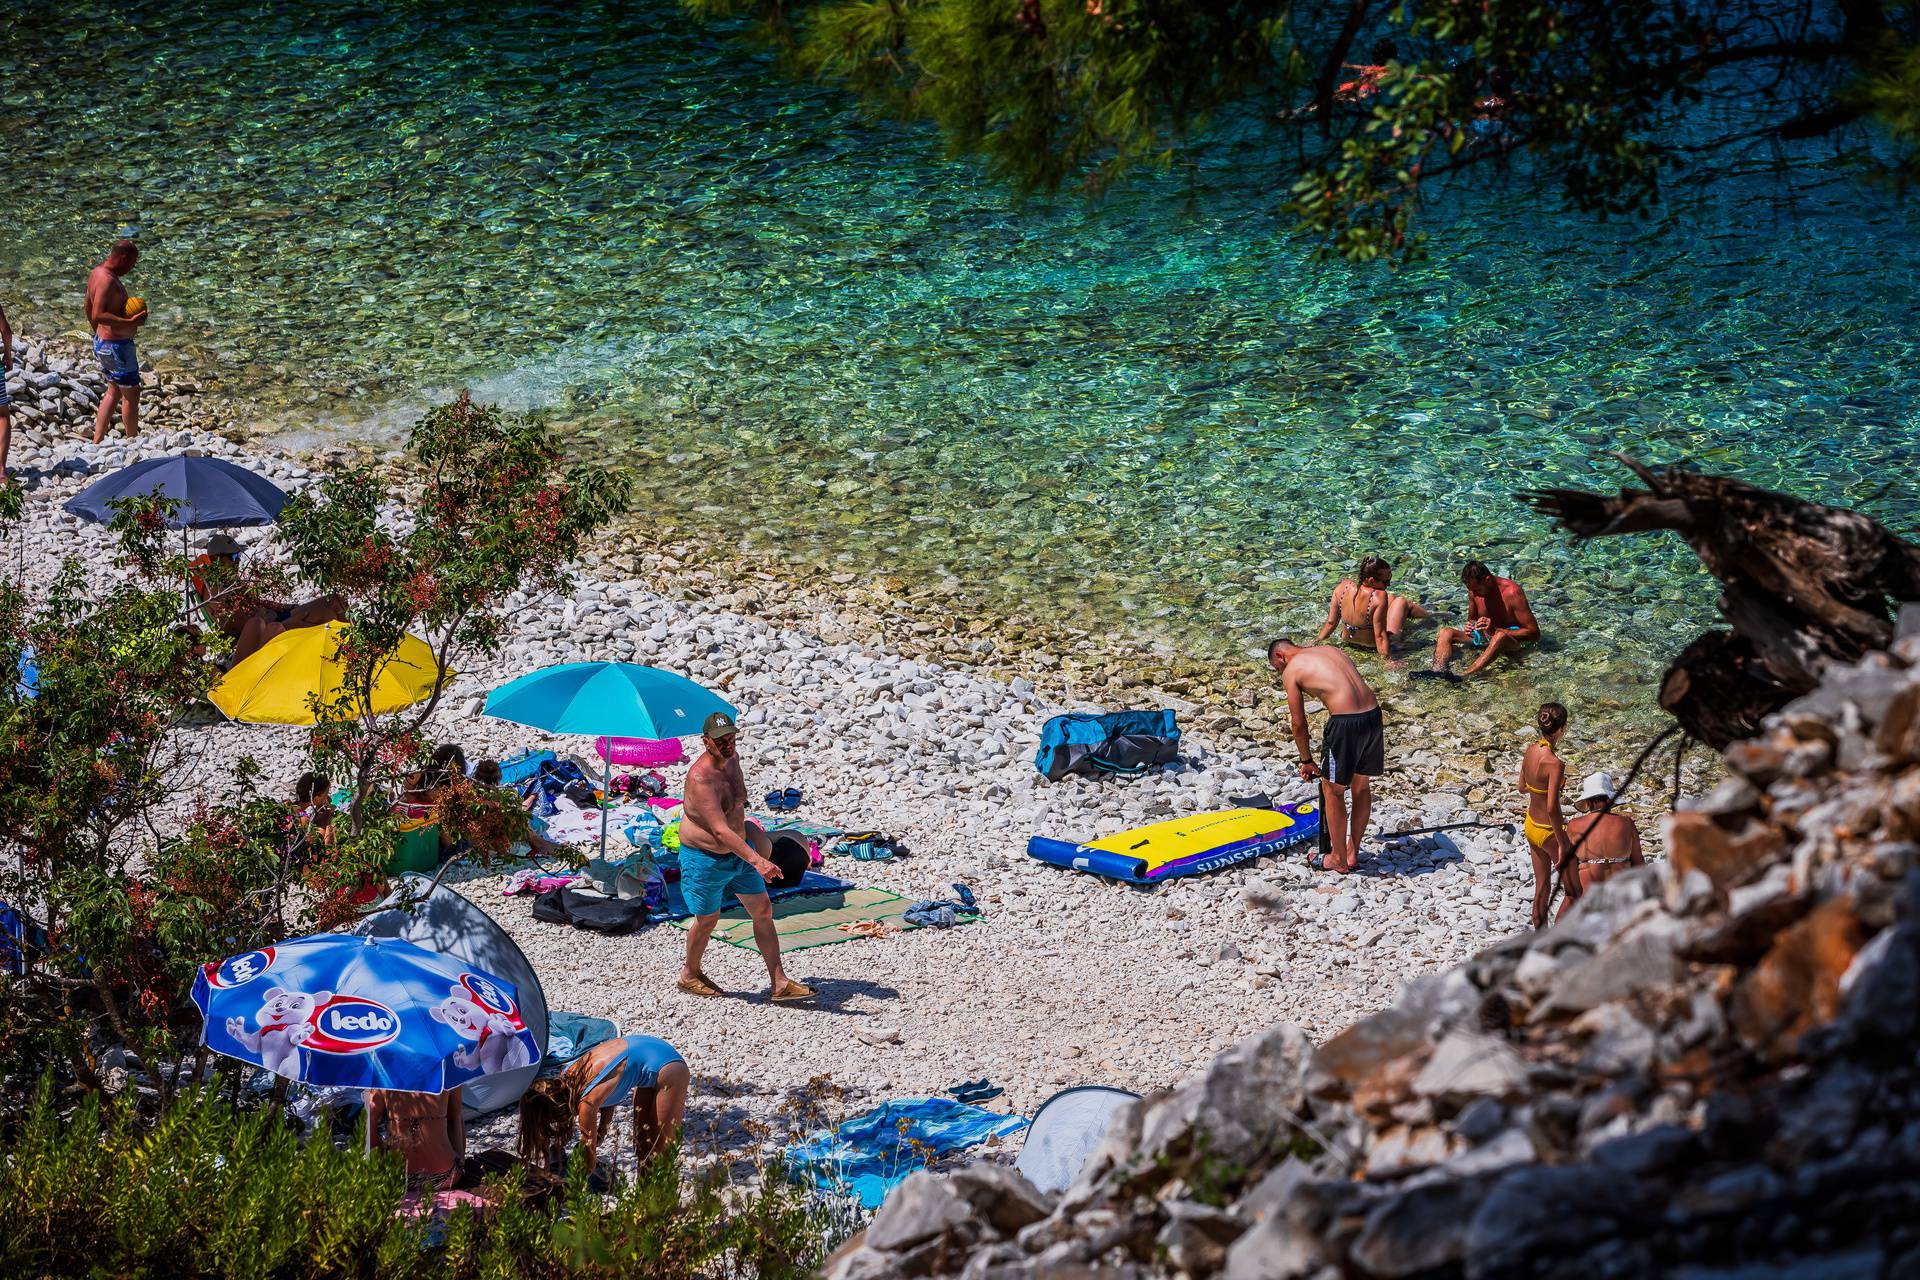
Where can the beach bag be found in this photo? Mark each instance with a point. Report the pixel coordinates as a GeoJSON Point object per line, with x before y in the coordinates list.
{"type": "Point", "coordinates": [586, 911]}
{"type": "Point", "coordinates": [1118, 744]}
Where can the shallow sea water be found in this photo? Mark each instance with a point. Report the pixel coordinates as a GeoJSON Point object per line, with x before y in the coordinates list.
{"type": "Point", "coordinates": [809, 332]}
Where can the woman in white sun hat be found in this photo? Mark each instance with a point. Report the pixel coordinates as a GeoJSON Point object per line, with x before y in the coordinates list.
{"type": "Point", "coordinates": [1607, 843]}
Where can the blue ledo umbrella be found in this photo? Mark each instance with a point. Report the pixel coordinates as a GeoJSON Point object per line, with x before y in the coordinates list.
{"type": "Point", "coordinates": [210, 493]}
{"type": "Point", "coordinates": [606, 699]}
{"type": "Point", "coordinates": [363, 1013]}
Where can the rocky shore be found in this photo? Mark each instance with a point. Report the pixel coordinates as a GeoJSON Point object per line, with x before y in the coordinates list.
{"type": "Point", "coordinates": [891, 712]}
{"type": "Point", "coordinates": [1707, 1070]}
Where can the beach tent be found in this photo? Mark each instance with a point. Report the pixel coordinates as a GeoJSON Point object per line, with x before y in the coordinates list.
{"type": "Point", "coordinates": [1067, 1129]}
{"type": "Point", "coordinates": [446, 922]}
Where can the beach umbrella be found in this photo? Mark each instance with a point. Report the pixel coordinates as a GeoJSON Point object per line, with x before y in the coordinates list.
{"type": "Point", "coordinates": [357, 1012]}
{"type": "Point", "coordinates": [209, 493]}
{"type": "Point", "coordinates": [277, 683]}
{"type": "Point", "coordinates": [606, 699]}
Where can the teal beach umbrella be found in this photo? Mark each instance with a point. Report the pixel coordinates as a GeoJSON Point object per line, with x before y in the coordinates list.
{"type": "Point", "coordinates": [606, 699]}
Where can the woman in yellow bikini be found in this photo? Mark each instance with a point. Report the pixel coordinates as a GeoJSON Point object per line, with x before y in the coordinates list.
{"type": "Point", "coordinates": [1542, 774]}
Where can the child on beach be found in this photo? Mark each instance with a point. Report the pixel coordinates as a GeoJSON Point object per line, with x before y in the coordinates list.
{"type": "Point", "coordinates": [645, 1069]}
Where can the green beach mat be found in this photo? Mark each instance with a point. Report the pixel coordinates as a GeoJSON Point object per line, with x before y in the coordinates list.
{"type": "Point", "coordinates": [815, 919]}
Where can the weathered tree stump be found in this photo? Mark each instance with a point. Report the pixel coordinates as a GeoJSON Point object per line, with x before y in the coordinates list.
{"type": "Point", "coordinates": [1803, 586]}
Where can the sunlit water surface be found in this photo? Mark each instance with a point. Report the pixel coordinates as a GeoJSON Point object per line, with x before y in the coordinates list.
{"type": "Point", "coordinates": [813, 333]}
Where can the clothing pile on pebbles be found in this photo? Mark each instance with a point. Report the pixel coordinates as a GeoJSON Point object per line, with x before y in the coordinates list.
{"type": "Point", "coordinates": [1068, 979]}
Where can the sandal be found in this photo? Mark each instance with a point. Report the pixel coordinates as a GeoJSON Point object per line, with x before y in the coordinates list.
{"type": "Point", "coordinates": [699, 985]}
{"type": "Point", "coordinates": [792, 797]}
{"type": "Point", "coordinates": [791, 991]}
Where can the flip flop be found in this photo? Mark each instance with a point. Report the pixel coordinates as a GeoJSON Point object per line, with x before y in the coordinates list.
{"type": "Point", "coordinates": [776, 800]}
{"type": "Point", "coordinates": [699, 985]}
{"type": "Point", "coordinates": [792, 796]}
{"type": "Point", "coordinates": [966, 896]}
{"type": "Point", "coordinates": [791, 991]}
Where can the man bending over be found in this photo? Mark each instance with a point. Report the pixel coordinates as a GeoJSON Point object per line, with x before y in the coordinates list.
{"type": "Point", "coordinates": [1354, 743]}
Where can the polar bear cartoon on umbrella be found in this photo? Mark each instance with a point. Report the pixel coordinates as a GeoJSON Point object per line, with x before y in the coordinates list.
{"type": "Point", "coordinates": [497, 1044]}
{"type": "Point", "coordinates": [286, 1023]}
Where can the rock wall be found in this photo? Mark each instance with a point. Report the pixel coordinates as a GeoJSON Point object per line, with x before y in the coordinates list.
{"type": "Point", "coordinates": [1709, 1069]}
{"type": "Point", "coordinates": [56, 386]}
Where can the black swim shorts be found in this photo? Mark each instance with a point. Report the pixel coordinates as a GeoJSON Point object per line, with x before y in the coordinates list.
{"type": "Point", "coordinates": [1354, 743]}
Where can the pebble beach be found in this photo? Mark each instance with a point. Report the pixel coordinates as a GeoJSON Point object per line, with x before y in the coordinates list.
{"type": "Point", "coordinates": [928, 736]}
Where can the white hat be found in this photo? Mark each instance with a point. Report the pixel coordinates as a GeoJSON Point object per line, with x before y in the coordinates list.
{"type": "Point", "coordinates": [1598, 786]}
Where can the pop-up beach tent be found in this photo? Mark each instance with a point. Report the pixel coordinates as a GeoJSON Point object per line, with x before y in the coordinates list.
{"type": "Point", "coordinates": [445, 922]}
{"type": "Point", "coordinates": [1067, 1129]}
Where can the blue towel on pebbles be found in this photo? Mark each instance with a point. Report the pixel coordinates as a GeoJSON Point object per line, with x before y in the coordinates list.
{"type": "Point", "coordinates": [871, 1154]}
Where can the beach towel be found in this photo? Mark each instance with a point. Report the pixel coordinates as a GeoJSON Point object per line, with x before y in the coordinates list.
{"type": "Point", "coordinates": [871, 1154]}
{"type": "Point", "coordinates": [810, 884]}
{"type": "Point", "coordinates": [522, 768]}
{"type": "Point", "coordinates": [816, 920]}
{"type": "Point", "coordinates": [569, 1035]}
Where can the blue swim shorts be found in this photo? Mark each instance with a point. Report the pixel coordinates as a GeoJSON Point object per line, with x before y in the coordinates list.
{"type": "Point", "coordinates": [709, 880]}
{"type": "Point", "coordinates": [118, 360]}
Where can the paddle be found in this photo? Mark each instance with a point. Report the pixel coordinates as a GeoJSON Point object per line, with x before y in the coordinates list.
{"type": "Point", "coordinates": [1451, 826]}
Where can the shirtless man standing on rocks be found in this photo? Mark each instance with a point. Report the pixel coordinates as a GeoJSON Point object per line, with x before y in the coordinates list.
{"type": "Point", "coordinates": [722, 855]}
{"type": "Point", "coordinates": [113, 333]}
{"type": "Point", "coordinates": [1354, 742]}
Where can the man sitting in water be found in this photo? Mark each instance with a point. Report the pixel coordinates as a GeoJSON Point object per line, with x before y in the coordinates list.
{"type": "Point", "coordinates": [1368, 615]}
{"type": "Point", "coordinates": [1499, 619]}
{"type": "Point", "coordinates": [1603, 843]}
{"type": "Point", "coordinates": [1354, 742]}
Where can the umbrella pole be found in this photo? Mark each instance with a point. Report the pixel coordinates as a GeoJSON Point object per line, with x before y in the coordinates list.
{"type": "Point", "coordinates": [606, 794]}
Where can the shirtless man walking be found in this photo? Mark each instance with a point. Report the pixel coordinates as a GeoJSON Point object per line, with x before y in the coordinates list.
{"type": "Point", "coordinates": [723, 855]}
{"type": "Point", "coordinates": [1607, 842]}
{"type": "Point", "coordinates": [1354, 742]}
{"type": "Point", "coordinates": [113, 332]}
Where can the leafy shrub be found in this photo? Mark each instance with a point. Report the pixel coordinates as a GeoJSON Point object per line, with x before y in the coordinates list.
{"type": "Point", "coordinates": [209, 1191]}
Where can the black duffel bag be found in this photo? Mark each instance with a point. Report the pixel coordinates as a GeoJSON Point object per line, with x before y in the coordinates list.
{"type": "Point", "coordinates": [590, 911]}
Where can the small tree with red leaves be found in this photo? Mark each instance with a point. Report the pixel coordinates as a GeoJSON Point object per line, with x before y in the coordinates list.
{"type": "Point", "coordinates": [497, 509]}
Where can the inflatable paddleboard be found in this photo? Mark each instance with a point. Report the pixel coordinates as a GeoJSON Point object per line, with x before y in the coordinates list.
{"type": "Point", "coordinates": [1185, 846]}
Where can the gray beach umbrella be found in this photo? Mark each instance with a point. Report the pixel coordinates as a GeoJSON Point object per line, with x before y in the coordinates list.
{"type": "Point", "coordinates": [208, 493]}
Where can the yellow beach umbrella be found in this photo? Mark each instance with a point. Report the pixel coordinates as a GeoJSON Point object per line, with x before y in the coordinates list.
{"type": "Point", "coordinates": [276, 684]}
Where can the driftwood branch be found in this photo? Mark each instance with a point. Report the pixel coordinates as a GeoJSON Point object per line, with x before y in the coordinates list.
{"type": "Point", "coordinates": [1803, 586]}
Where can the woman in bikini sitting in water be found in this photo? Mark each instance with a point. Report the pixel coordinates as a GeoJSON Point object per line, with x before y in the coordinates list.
{"type": "Point", "coordinates": [1542, 774]}
{"type": "Point", "coordinates": [1368, 614]}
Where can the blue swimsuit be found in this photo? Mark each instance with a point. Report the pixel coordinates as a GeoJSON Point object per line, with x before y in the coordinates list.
{"type": "Point", "coordinates": [640, 1067]}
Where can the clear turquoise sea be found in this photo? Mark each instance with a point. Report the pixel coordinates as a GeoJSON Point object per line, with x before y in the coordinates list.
{"type": "Point", "coordinates": [811, 332]}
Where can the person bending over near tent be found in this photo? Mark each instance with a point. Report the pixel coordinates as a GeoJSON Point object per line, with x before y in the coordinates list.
{"type": "Point", "coordinates": [1370, 616]}
{"type": "Point", "coordinates": [114, 328]}
{"type": "Point", "coordinates": [644, 1068]}
{"type": "Point", "coordinates": [723, 855]}
{"type": "Point", "coordinates": [1603, 843]}
{"type": "Point", "coordinates": [1354, 743]}
{"type": "Point", "coordinates": [1498, 619]}
{"type": "Point", "coordinates": [427, 1129]}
